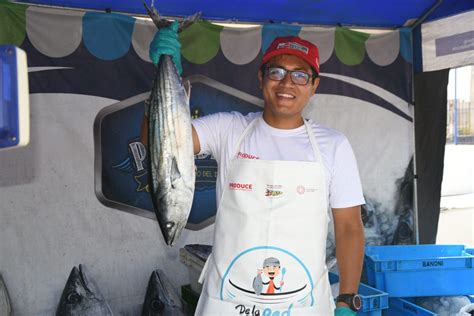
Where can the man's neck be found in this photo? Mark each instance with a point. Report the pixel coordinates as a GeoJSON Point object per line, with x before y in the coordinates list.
{"type": "Point", "coordinates": [283, 122]}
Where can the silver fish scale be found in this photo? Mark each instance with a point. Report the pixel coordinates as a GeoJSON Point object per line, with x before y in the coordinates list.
{"type": "Point", "coordinates": [170, 150]}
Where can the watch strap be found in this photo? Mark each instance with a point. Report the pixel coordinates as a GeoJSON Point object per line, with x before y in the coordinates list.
{"type": "Point", "coordinates": [348, 298]}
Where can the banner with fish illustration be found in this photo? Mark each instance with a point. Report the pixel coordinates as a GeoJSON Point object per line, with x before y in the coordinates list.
{"type": "Point", "coordinates": [365, 92]}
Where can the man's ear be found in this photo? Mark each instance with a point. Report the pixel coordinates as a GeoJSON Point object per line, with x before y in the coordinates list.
{"type": "Point", "coordinates": [314, 86]}
{"type": "Point", "coordinates": [260, 79]}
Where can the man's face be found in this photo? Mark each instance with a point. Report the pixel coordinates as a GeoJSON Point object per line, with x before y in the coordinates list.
{"type": "Point", "coordinates": [284, 99]}
{"type": "Point", "coordinates": [271, 271]}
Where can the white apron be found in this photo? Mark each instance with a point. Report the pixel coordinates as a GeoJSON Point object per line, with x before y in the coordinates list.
{"type": "Point", "coordinates": [269, 248]}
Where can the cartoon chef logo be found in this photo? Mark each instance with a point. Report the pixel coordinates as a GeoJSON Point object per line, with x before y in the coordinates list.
{"type": "Point", "coordinates": [270, 270]}
{"type": "Point", "coordinates": [267, 280]}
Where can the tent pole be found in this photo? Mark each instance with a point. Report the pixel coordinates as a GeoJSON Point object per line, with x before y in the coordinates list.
{"type": "Point", "coordinates": [455, 105]}
{"type": "Point", "coordinates": [427, 13]}
{"type": "Point", "coordinates": [415, 173]}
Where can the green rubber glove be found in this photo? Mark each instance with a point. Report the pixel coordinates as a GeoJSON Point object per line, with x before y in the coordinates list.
{"type": "Point", "coordinates": [166, 42]}
{"type": "Point", "coordinates": [344, 311]}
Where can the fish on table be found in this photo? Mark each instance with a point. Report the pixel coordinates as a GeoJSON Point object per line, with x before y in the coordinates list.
{"type": "Point", "coordinates": [161, 298]}
{"type": "Point", "coordinates": [170, 146]}
{"type": "Point", "coordinates": [199, 250]}
{"type": "Point", "coordinates": [5, 307]}
{"type": "Point", "coordinates": [82, 297]}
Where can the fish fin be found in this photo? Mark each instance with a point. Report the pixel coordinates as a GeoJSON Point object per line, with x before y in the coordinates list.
{"type": "Point", "coordinates": [174, 172]}
{"type": "Point", "coordinates": [187, 22]}
{"type": "Point", "coordinates": [187, 89]}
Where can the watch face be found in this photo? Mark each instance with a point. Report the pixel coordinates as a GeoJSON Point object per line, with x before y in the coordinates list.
{"type": "Point", "coordinates": [356, 302]}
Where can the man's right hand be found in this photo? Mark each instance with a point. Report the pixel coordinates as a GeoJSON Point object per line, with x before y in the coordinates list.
{"type": "Point", "coordinates": [166, 42]}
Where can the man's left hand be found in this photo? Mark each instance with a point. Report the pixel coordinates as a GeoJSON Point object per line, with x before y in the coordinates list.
{"type": "Point", "coordinates": [344, 311]}
{"type": "Point", "coordinates": [166, 41]}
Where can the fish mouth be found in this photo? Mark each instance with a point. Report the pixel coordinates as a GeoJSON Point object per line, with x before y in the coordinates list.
{"type": "Point", "coordinates": [171, 230]}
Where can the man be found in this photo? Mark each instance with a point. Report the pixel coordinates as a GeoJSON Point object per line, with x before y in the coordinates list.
{"type": "Point", "coordinates": [305, 167]}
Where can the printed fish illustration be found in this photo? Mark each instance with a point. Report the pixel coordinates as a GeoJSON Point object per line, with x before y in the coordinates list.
{"type": "Point", "coordinates": [82, 297]}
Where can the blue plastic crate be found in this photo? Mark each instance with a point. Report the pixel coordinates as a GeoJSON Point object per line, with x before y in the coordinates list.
{"type": "Point", "coordinates": [401, 307]}
{"type": "Point", "coordinates": [420, 270]}
{"type": "Point", "coordinates": [373, 300]}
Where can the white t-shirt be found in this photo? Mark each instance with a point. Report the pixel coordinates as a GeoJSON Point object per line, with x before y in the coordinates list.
{"type": "Point", "coordinates": [219, 133]}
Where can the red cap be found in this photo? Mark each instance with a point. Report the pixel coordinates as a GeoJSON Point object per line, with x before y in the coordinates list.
{"type": "Point", "coordinates": [293, 45]}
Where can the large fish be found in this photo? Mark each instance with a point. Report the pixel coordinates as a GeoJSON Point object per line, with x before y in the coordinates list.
{"type": "Point", "coordinates": [81, 297]}
{"type": "Point", "coordinates": [160, 298]}
{"type": "Point", "coordinates": [5, 307]}
{"type": "Point", "coordinates": [170, 149]}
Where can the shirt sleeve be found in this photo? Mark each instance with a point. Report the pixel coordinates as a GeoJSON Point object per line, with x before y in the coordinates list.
{"type": "Point", "coordinates": [211, 131]}
{"type": "Point", "coordinates": [345, 187]}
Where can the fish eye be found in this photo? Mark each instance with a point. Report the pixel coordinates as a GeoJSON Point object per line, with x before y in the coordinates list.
{"type": "Point", "coordinates": [156, 305]}
{"type": "Point", "coordinates": [73, 298]}
{"type": "Point", "coordinates": [169, 225]}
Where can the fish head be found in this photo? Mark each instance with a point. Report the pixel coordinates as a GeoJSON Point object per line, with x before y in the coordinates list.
{"type": "Point", "coordinates": [175, 208]}
{"type": "Point", "coordinates": [81, 295]}
{"type": "Point", "coordinates": [160, 298]}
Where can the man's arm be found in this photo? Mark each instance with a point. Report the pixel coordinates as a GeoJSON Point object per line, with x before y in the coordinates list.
{"type": "Point", "coordinates": [349, 233]}
{"type": "Point", "coordinates": [144, 136]}
{"type": "Point", "coordinates": [196, 143]}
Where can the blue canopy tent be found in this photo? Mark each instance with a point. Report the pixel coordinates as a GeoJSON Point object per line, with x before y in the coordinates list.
{"type": "Point", "coordinates": [371, 13]}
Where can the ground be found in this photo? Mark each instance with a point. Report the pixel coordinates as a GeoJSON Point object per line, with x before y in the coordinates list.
{"type": "Point", "coordinates": [456, 221]}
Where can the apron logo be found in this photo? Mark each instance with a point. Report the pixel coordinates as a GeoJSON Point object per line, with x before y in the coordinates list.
{"type": "Point", "coordinates": [300, 189]}
{"type": "Point", "coordinates": [293, 45]}
{"type": "Point", "coordinates": [241, 186]}
{"type": "Point", "coordinates": [273, 191]}
{"type": "Point", "coordinates": [271, 269]}
{"type": "Point", "coordinates": [279, 283]}
{"type": "Point", "coordinates": [246, 156]}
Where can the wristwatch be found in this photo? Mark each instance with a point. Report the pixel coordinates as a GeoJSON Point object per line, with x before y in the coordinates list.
{"type": "Point", "coordinates": [353, 300]}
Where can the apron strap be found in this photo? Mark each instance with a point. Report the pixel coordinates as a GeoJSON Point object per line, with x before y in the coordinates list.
{"type": "Point", "coordinates": [242, 136]}
{"type": "Point", "coordinates": [314, 143]}
{"type": "Point", "coordinates": [309, 131]}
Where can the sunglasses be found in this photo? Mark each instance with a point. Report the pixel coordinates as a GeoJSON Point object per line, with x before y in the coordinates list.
{"type": "Point", "coordinates": [297, 76]}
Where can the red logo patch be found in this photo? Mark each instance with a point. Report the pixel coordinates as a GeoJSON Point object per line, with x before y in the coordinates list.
{"type": "Point", "coordinates": [241, 186]}
{"type": "Point", "coordinates": [246, 156]}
